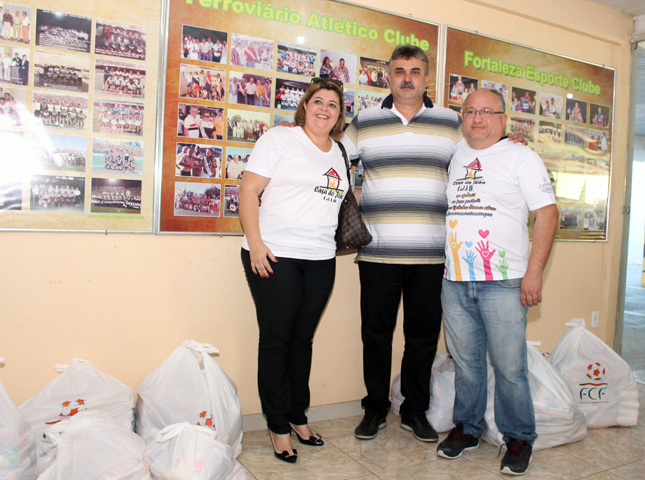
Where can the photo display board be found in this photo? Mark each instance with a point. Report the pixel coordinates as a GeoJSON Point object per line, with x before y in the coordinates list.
{"type": "Point", "coordinates": [562, 107]}
{"type": "Point", "coordinates": [77, 116]}
{"type": "Point", "coordinates": [235, 69]}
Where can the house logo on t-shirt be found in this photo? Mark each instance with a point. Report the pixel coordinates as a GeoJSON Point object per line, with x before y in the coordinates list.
{"type": "Point", "coordinates": [472, 169]}
{"type": "Point", "coordinates": [331, 192]}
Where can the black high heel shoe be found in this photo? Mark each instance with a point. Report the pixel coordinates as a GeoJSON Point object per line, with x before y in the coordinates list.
{"type": "Point", "coordinates": [314, 440]}
{"type": "Point", "coordinates": [289, 456]}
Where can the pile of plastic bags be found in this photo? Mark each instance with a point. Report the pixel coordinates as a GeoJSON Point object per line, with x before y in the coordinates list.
{"type": "Point", "coordinates": [80, 425]}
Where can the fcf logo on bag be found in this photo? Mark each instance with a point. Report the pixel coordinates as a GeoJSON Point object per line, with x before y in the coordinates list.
{"type": "Point", "coordinates": [206, 418]}
{"type": "Point", "coordinates": [70, 408]}
{"type": "Point", "coordinates": [593, 392]}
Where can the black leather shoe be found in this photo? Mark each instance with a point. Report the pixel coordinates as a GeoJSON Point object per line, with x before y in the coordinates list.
{"type": "Point", "coordinates": [289, 456]}
{"type": "Point", "coordinates": [370, 425]}
{"type": "Point", "coordinates": [418, 424]}
{"type": "Point", "coordinates": [314, 440]}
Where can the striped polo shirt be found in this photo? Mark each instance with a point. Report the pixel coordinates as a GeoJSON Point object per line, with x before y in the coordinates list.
{"type": "Point", "coordinates": [405, 166]}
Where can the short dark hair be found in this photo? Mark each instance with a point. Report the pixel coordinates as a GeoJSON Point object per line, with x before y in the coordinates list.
{"type": "Point", "coordinates": [409, 51]}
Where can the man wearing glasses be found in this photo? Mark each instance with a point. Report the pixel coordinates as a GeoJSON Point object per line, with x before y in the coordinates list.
{"type": "Point", "coordinates": [405, 148]}
{"type": "Point", "coordinates": [490, 280]}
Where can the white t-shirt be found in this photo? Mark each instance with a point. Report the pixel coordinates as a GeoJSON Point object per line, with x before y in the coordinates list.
{"type": "Point", "coordinates": [299, 208]}
{"type": "Point", "coordinates": [490, 193]}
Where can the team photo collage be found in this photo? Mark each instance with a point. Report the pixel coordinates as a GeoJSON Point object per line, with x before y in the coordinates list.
{"type": "Point", "coordinates": [577, 133]}
{"type": "Point", "coordinates": [232, 89]}
{"type": "Point", "coordinates": [78, 143]}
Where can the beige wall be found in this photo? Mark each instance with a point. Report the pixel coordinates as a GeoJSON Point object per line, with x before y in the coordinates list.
{"type": "Point", "coordinates": [124, 302]}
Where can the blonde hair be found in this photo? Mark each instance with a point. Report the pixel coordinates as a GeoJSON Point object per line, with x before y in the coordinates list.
{"type": "Point", "coordinates": [337, 131]}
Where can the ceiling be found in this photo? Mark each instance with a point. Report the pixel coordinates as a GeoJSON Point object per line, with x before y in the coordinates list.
{"type": "Point", "coordinates": [632, 7]}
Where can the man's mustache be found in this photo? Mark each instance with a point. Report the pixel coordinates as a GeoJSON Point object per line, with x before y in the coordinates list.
{"type": "Point", "coordinates": [407, 85]}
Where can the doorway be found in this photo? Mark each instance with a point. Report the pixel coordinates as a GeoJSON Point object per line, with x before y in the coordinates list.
{"type": "Point", "coordinates": [633, 338]}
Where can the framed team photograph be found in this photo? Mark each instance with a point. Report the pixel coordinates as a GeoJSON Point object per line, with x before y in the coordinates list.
{"type": "Point", "coordinates": [10, 195]}
{"type": "Point", "coordinates": [337, 65]}
{"type": "Point", "coordinates": [204, 44]}
{"type": "Point", "coordinates": [367, 99]}
{"type": "Point", "coordinates": [117, 117]}
{"type": "Point", "coordinates": [57, 194]}
{"type": "Point", "coordinates": [116, 195]}
{"type": "Point", "coordinates": [63, 31]}
{"type": "Point", "coordinates": [550, 158]}
{"type": "Point", "coordinates": [598, 141]}
{"type": "Point", "coordinates": [246, 126]}
{"type": "Point", "coordinates": [120, 39]}
{"type": "Point", "coordinates": [279, 118]}
{"type": "Point", "coordinates": [575, 136]}
{"type": "Point", "coordinates": [496, 87]}
{"type": "Point", "coordinates": [296, 59]}
{"type": "Point", "coordinates": [249, 89]}
{"type": "Point", "coordinates": [599, 115]}
{"type": "Point", "coordinates": [61, 110]}
{"type": "Point", "coordinates": [60, 152]}
{"type": "Point", "coordinates": [595, 219]}
{"type": "Point", "coordinates": [236, 160]}
{"type": "Point", "coordinates": [252, 52]}
{"type": "Point", "coordinates": [12, 103]}
{"type": "Point", "coordinates": [15, 65]}
{"type": "Point", "coordinates": [17, 28]}
{"type": "Point", "coordinates": [551, 105]}
{"type": "Point", "coordinates": [197, 199]}
{"type": "Point", "coordinates": [374, 73]}
{"type": "Point", "coordinates": [575, 163]}
{"type": "Point", "coordinates": [200, 121]}
{"type": "Point", "coordinates": [114, 156]}
{"type": "Point", "coordinates": [549, 133]}
{"type": "Point", "coordinates": [288, 93]}
{"type": "Point", "coordinates": [523, 126]}
{"type": "Point", "coordinates": [55, 71]}
{"type": "Point", "coordinates": [349, 95]}
{"type": "Point", "coordinates": [570, 218]}
{"type": "Point", "coordinates": [202, 83]}
{"type": "Point", "coordinates": [198, 160]}
{"type": "Point", "coordinates": [231, 201]}
{"type": "Point", "coordinates": [576, 110]}
{"type": "Point", "coordinates": [461, 86]}
{"type": "Point", "coordinates": [121, 79]}
{"type": "Point", "coordinates": [523, 100]}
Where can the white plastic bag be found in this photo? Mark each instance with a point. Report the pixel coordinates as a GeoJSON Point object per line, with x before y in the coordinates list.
{"type": "Point", "coordinates": [603, 384]}
{"type": "Point", "coordinates": [80, 387]}
{"type": "Point", "coordinates": [17, 447]}
{"type": "Point", "coordinates": [189, 452]}
{"type": "Point", "coordinates": [557, 421]}
{"type": "Point", "coordinates": [442, 393]}
{"type": "Point", "coordinates": [91, 445]}
{"type": "Point", "coordinates": [189, 386]}
{"type": "Point", "coordinates": [238, 473]}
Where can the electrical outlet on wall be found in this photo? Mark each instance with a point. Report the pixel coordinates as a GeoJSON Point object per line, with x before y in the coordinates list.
{"type": "Point", "coordinates": [595, 318]}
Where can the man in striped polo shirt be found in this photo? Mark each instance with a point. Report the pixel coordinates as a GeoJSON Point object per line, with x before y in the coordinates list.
{"type": "Point", "coordinates": [405, 147]}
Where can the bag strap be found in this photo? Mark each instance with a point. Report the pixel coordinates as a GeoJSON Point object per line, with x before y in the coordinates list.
{"type": "Point", "coordinates": [349, 174]}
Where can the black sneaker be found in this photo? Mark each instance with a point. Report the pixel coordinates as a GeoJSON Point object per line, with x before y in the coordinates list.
{"type": "Point", "coordinates": [370, 425]}
{"type": "Point", "coordinates": [456, 443]}
{"type": "Point", "coordinates": [517, 458]}
{"type": "Point", "coordinates": [418, 424]}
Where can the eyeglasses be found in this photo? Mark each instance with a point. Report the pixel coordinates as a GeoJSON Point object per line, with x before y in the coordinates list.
{"type": "Point", "coordinates": [322, 81]}
{"type": "Point", "coordinates": [484, 113]}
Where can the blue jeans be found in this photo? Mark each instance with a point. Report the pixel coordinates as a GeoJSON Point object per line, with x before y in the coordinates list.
{"type": "Point", "coordinates": [489, 315]}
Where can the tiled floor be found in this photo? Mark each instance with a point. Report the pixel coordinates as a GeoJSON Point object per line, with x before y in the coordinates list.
{"type": "Point", "coordinates": [605, 454]}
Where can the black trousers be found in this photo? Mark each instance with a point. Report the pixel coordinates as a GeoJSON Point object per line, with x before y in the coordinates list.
{"type": "Point", "coordinates": [289, 305]}
{"type": "Point", "coordinates": [381, 288]}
